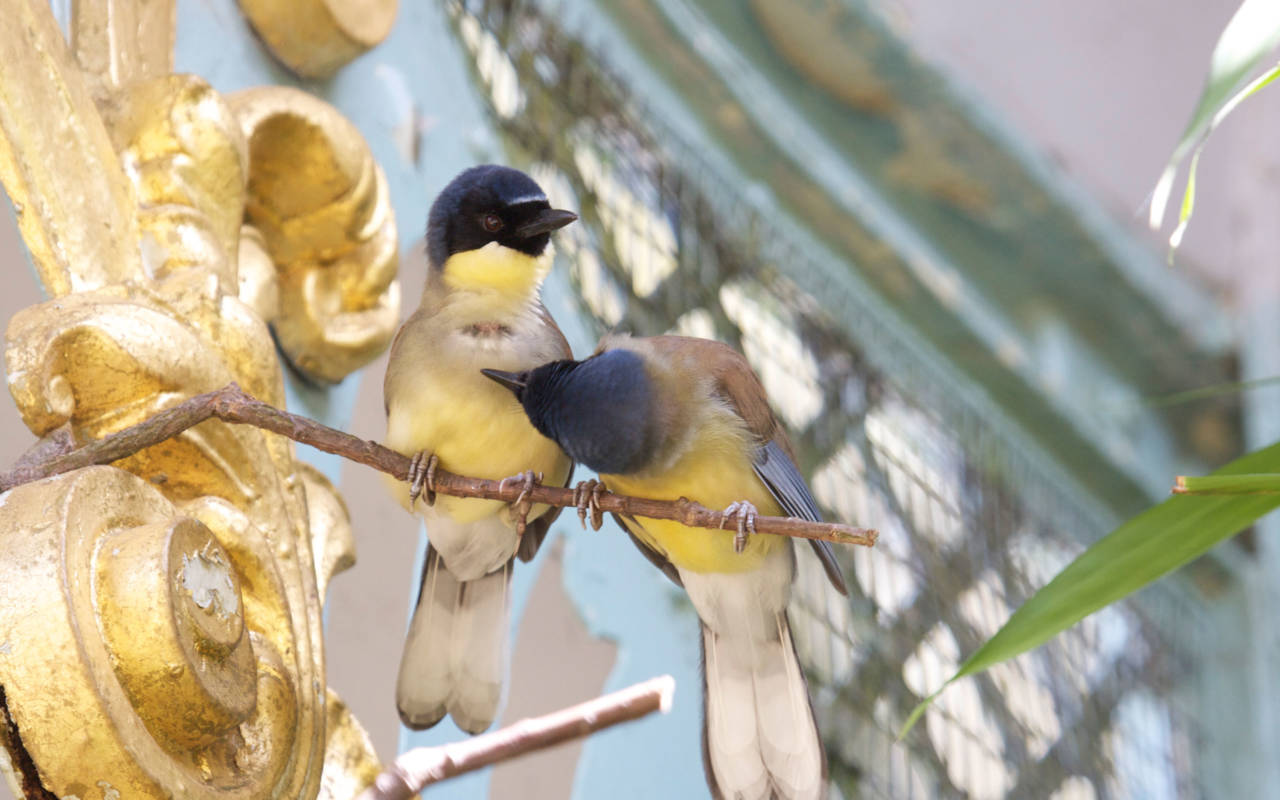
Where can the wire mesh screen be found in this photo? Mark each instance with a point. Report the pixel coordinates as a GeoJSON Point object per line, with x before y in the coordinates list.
{"type": "Point", "coordinates": [969, 528]}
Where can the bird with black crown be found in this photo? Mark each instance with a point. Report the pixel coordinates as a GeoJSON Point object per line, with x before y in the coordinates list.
{"type": "Point", "coordinates": [488, 247]}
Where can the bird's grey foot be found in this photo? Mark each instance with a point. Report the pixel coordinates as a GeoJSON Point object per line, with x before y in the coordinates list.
{"type": "Point", "coordinates": [586, 498]}
{"type": "Point", "coordinates": [527, 480]}
{"type": "Point", "coordinates": [523, 503]}
{"type": "Point", "coordinates": [746, 518]}
{"type": "Point", "coordinates": [422, 477]}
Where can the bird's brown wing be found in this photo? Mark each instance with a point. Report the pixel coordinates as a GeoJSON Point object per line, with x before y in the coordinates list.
{"type": "Point", "coordinates": [544, 316]}
{"type": "Point", "coordinates": [774, 461]}
{"type": "Point", "coordinates": [537, 528]}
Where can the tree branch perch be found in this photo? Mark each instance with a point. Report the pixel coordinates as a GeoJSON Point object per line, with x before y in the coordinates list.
{"type": "Point", "coordinates": [423, 766]}
{"type": "Point", "coordinates": [232, 404]}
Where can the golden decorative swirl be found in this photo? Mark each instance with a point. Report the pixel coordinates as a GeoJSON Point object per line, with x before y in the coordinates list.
{"type": "Point", "coordinates": [181, 148]}
{"type": "Point", "coordinates": [171, 676]}
{"type": "Point", "coordinates": [57, 162]}
{"type": "Point", "coordinates": [320, 203]}
{"type": "Point", "coordinates": [330, 525]}
{"type": "Point", "coordinates": [160, 628]}
{"type": "Point", "coordinates": [316, 38]}
{"type": "Point", "coordinates": [98, 363]}
{"type": "Point", "coordinates": [118, 42]}
{"type": "Point", "coordinates": [350, 764]}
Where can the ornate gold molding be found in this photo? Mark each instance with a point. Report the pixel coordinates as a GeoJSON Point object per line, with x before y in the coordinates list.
{"type": "Point", "coordinates": [118, 42]}
{"type": "Point", "coordinates": [315, 38]}
{"type": "Point", "coordinates": [160, 619]}
{"type": "Point", "coordinates": [135, 659]}
{"type": "Point", "coordinates": [322, 207]}
{"type": "Point", "coordinates": [57, 162]}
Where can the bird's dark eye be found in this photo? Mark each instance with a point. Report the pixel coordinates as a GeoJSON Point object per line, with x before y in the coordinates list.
{"type": "Point", "coordinates": [492, 223]}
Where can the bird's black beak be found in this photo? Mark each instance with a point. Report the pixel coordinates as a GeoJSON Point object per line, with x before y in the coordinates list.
{"type": "Point", "coordinates": [515, 381]}
{"type": "Point", "coordinates": [545, 221]}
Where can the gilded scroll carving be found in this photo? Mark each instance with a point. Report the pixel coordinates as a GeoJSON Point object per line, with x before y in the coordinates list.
{"type": "Point", "coordinates": [57, 162]}
{"type": "Point", "coordinates": [164, 682]}
{"type": "Point", "coordinates": [315, 38]}
{"type": "Point", "coordinates": [181, 148]}
{"type": "Point", "coordinates": [118, 42]}
{"type": "Point", "coordinates": [321, 204]}
{"type": "Point", "coordinates": [177, 595]}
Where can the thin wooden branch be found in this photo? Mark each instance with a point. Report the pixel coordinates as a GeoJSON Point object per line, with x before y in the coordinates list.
{"type": "Point", "coordinates": [1261, 483]}
{"type": "Point", "coordinates": [232, 404]}
{"type": "Point", "coordinates": [423, 766]}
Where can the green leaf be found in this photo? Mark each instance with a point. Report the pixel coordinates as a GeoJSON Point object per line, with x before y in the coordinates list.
{"type": "Point", "coordinates": [1253, 32]}
{"type": "Point", "coordinates": [1147, 547]}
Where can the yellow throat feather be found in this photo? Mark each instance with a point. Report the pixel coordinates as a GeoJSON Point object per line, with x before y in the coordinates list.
{"type": "Point", "coordinates": [509, 273]}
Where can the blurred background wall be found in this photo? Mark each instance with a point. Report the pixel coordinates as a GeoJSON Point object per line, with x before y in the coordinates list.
{"type": "Point", "coordinates": [919, 219]}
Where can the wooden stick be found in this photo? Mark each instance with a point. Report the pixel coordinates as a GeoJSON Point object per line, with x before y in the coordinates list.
{"type": "Point", "coordinates": [423, 766]}
{"type": "Point", "coordinates": [232, 404]}
{"type": "Point", "coordinates": [1259, 483]}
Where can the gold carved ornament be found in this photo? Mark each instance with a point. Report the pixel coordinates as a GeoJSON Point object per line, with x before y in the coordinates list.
{"type": "Point", "coordinates": [315, 38]}
{"type": "Point", "coordinates": [160, 619]}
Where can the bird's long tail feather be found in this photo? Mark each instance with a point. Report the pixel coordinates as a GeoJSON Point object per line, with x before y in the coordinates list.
{"type": "Point", "coordinates": [455, 654]}
{"type": "Point", "coordinates": [760, 741]}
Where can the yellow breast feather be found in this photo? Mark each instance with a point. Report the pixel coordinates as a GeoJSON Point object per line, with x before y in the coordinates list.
{"type": "Point", "coordinates": [475, 428]}
{"type": "Point", "coordinates": [714, 471]}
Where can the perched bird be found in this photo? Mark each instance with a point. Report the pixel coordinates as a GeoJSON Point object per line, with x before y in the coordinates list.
{"type": "Point", "coordinates": [488, 237]}
{"type": "Point", "coordinates": [670, 417]}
